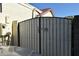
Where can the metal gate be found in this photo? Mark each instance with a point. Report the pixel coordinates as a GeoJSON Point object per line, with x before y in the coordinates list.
{"type": "Point", "coordinates": [29, 34]}
{"type": "Point", "coordinates": [49, 36]}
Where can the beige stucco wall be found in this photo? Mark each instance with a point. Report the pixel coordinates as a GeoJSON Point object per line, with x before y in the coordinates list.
{"type": "Point", "coordinates": [14, 11]}
{"type": "Point", "coordinates": [48, 14]}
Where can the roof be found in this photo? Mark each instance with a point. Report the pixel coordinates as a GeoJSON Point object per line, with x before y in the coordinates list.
{"type": "Point", "coordinates": [44, 11]}
{"type": "Point", "coordinates": [39, 11]}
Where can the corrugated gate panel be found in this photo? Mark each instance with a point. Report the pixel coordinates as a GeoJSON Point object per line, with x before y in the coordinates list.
{"type": "Point", "coordinates": [66, 41]}
{"type": "Point", "coordinates": [22, 34]}
{"type": "Point", "coordinates": [61, 37]}
{"type": "Point", "coordinates": [67, 38]}
{"type": "Point", "coordinates": [55, 35]}
{"type": "Point", "coordinates": [26, 41]}
{"type": "Point", "coordinates": [64, 38]}
{"type": "Point", "coordinates": [51, 37]}
{"type": "Point", "coordinates": [33, 32]}
{"type": "Point", "coordinates": [70, 39]}
{"type": "Point", "coordinates": [37, 35]}
{"type": "Point", "coordinates": [42, 37]}
{"type": "Point", "coordinates": [29, 34]}
{"type": "Point", "coordinates": [38, 43]}
{"type": "Point", "coordinates": [61, 24]}
{"type": "Point", "coordinates": [47, 37]}
{"type": "Point", "coordinates": [50, 41]}
{"type": "Point", "coordinates": [58, 39]}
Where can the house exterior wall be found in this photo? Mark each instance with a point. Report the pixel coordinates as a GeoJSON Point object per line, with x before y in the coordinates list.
{"type": "Point", "coordinates": [48, 14]}
{"type": "Point", "coordinates": [15, 11]}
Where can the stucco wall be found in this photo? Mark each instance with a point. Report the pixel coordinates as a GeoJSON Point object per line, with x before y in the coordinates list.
{"type": "Point", "coordinates": [15, 11]}
{"type": "Point", "coordinates": [48, 14]}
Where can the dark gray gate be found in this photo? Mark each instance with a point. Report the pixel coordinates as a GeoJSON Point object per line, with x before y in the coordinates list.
{"type": "Point", "coordinates": [47, 35]}
{"type": "Point", "coordinates": [29, 34]}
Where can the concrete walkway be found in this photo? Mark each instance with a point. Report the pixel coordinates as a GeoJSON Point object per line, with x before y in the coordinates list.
{"type": "Point", "coordinates": [16, 51]}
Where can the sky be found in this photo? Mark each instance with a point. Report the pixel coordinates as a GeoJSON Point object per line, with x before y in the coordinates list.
{"type": "Point", "coordinates": [60, 9]}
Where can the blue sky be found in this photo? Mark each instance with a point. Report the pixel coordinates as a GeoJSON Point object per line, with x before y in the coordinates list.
{"type": "Point", "coordinates": [60, 9]}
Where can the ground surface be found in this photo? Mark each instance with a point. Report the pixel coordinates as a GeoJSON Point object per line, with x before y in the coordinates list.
{"type": "Point", "coordinates": [16, 51]}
